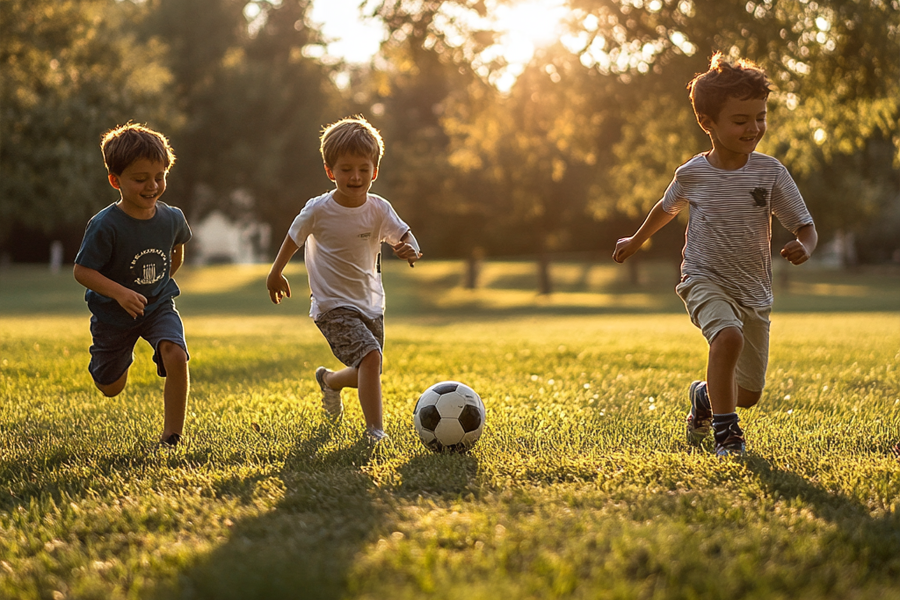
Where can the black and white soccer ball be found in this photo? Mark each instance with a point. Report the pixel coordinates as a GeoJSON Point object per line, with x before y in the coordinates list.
{"type": "Point", "coordinates": [449, 416]}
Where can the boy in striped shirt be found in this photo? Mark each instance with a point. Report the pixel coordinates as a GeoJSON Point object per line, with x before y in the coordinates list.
{"type": "Point", "coordinates": [726, 275]}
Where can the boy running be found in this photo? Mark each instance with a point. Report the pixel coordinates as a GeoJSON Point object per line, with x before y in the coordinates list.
{"type": "Point", "coordinates": [342, 231]}
{"type": "Point", "coordinates": [130, 251]}
{"type": "Point", "coordinates": [726, 275]}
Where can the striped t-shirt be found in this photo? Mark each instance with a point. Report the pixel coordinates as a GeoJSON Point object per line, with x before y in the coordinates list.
{"type": "Point", "coordinates": [729, 233]}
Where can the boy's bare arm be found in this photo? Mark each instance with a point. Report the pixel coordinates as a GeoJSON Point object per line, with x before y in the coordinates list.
{"type": "Point", "coordinates": [799, 250]}
{"type": "Point", "coordinates": [656, 220]}
{"type": "Point", "coordinates": [276, 282]}
{"type": "Point", "coordinates": [131, 301]}
{"type": "Point", "coordinates": [177, 258]}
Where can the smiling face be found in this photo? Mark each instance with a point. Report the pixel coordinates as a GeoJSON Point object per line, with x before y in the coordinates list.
{"type": "Point", "coordinates": [141, 184]}
{"type": "Point", "coordinates": [352, 176]}
{"type": "Point", "coordinates": [737, 130]}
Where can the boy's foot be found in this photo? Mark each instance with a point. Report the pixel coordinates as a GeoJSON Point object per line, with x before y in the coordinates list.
{"type": "Point", "coordinates": [730, 442]}
{"type": "Point", "coordinates": [375, 436]}
{"type": "Point", "coordinates": [699, 420]}
{"type": "Point", "coordinates": [896, 450]}
{"type": "Point", "coordinates": [331, 399]}
{"type": "Point", "coordinates": [171, 441]}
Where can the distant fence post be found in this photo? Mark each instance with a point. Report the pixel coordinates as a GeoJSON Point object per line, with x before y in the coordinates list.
{"type": "Point", "coordinates": [56, 256]}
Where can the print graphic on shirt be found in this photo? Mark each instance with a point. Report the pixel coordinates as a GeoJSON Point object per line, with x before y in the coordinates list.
{"type": "Point", "coordinates": [759, 195]}
{"type": "Point", "coordinates": [365, 236]}
{"type": "Point", "coordinates": [148, 266]}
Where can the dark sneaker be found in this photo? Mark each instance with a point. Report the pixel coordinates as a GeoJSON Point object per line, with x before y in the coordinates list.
{"type": "Point", "coordinates": [331, 399]}
{"type": "Point", "coordinates": [699, 420]}
{"type": "Point", "coordinates": [732, 442]}
{"type": "Point", "coordinates": [171, 441]}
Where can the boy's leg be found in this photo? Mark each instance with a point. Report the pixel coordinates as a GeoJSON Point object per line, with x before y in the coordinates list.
{"type": "Point", "coordinates": [165, 332]}
{"type": "Point", "coordinates": [355, 340]}
{"type": "Point", "coordinates": [367, 379]}
{"type": "Point", "coordinates": [175, 362]}
{"type": "Point", "coordinates": [112, 353]}
{"type": "Point", "coordinates": [114, 388]}
{"type": "Point", "coordinates": [724, 351]}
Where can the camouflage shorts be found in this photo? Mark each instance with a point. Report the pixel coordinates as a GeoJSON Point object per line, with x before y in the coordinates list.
{"type": "Point", "coordinates": [351, 334]}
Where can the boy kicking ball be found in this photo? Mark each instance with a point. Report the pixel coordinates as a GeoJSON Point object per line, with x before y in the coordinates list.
{"type": "Point", "coordinates": [726, 276]}
{"type": "Point", "coordinates": [342, 231]}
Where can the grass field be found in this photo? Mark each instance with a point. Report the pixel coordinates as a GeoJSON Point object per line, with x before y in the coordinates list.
{"type": "Point", "coordinates": [581, 486]}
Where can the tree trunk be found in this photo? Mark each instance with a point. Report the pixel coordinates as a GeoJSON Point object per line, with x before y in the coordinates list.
{"type": "Point", "coordinates": [545, 286]}
{"type": "Point", "coordinates": [473, 267]}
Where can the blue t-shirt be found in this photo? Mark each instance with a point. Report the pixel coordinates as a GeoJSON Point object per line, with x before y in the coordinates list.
{"type": "Point", "coordinates": [136, 253]}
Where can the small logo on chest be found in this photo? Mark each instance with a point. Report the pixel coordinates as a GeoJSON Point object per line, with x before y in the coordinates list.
{"type": "Point", "coordinates": [365, 236]}
{"type": "Point", "coordinates": [759, 195]}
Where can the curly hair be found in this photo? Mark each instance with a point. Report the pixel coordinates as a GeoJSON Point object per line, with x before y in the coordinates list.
{"type": "Point", "coordinates": [351, 135]}
{"type": "Point", "coordinates": [130, 142]}
{"type": "Point", "coordinates": [743, 80]}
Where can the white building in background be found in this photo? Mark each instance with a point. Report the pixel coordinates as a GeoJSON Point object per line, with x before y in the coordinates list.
{"type": "Point", "coordinates": [217, 239]}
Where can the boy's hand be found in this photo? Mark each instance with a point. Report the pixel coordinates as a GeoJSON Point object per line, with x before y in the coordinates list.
{"type": "Point", "coordinates": [278, 287]}
{"type": "Point", "coordinates": [131, 301]}
{"type": "Point", "coordinates": [624, 249]}
{"type": "Point", "coordinates": [795, 252]}
{"type": "Point", "coordinates": [407, 252]}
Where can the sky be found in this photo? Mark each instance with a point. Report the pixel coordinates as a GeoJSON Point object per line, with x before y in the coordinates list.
{"type": "Point", "coordinates": [355, 40]}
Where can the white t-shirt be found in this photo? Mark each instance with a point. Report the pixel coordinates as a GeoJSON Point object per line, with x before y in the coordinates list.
{"type": "Point", "coordinates": [729, 232]}
{"type": "Point", "coordinates": [343, 247]}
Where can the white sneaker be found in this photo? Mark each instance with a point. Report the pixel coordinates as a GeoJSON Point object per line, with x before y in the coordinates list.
{"type": "Point", "coordinates": [331, 399]}
{"type": "Point", "coordinates": [375, 436]}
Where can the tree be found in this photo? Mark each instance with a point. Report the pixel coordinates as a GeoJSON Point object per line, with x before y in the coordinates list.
{"type": "Point", "coordinates": [71, 71]}
{"type": "Point", "coordinates": [255, 102]}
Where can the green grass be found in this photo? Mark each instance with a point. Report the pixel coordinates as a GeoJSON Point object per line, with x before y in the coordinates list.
{"type": "Point", "coordinates": [581, 486]}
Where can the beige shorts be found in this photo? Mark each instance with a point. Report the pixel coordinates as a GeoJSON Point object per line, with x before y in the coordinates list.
{"type": "Point", "coordinates": [351, 334]}
{"type": "Point", "coordinates": [712, 309]}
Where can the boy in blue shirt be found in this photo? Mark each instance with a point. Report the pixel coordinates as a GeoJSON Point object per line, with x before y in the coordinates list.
{"type": "Point", "coordinates": [126, 261]}
{"type": "Point", "coordinates": [342, 232]}
{"type": "Point", "coordinates": [726, 276]}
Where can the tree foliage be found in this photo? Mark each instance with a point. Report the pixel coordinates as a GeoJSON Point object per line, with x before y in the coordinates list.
{"type": "Point", "coordinates": [71, 70]}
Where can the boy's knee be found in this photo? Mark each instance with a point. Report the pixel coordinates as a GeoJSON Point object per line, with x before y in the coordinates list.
{"type": "Point", "coordinates": [372, 359]}
{"type": "Point", "coordinates": [172, 354]}
{"type": "Point", "coordinates": [731, 337]}
{"type": "Point", "coordinates": [748, 399]}
{"type": "Point", "coordinates": [114, 388]}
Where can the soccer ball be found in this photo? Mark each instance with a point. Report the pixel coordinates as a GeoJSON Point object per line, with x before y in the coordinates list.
{"type": "Point", "coordinates": [449, 416]}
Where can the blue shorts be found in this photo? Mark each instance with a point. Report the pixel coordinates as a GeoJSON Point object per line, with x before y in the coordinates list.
{"type": "Point", "coordinates": [112, 351]}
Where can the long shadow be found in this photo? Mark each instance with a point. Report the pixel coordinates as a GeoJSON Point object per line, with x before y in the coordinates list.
{"type": "Point", "coordinates": [874, 541]}
{"type": "Point", "coordinates": [305, 546]}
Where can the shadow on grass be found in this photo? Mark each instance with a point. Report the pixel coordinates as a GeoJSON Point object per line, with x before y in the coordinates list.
{"type": "Point", "coordinates": [305, 546]}
{"type": "Point", "coordinates": [874, 541]}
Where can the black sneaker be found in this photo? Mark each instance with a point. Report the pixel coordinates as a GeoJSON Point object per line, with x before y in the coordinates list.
{"type": "Point", "coordinates": [731, 442]}
{"type": "Point", "coordinates": [171, 441]}
{"type": "Point", "coordinates": [699, 420]}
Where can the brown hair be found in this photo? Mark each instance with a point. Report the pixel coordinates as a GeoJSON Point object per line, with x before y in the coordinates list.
{"type": "Point", "coordinates": [351, 135]}
{"type": "Point", "coordinates": [710, 90]}
{"type": "Point", "coordinates": [130, 142]}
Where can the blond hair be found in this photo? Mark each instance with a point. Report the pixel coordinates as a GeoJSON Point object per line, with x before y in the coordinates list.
{"type": "Point", "coordinates": [351, 135]}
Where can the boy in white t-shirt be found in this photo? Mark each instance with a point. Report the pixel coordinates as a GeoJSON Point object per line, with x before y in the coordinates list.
{"type": "Point", "coordinates": [726, 277]}
{"type": "Point", "coordinates": [343, 231]}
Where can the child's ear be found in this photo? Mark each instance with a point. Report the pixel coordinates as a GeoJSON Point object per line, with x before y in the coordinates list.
{"type": "Point", "coordinates": [329, 172]}
{"type": "Point", "coordinates": [705, 122]}
{"type": "Point", "coordinates": [113, 180]}
{"type": "Point", "coordinates": [375, 174]}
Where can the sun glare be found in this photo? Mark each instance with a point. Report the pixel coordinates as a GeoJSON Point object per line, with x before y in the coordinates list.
{"type": "Point", "coordinates": [524, 27]}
